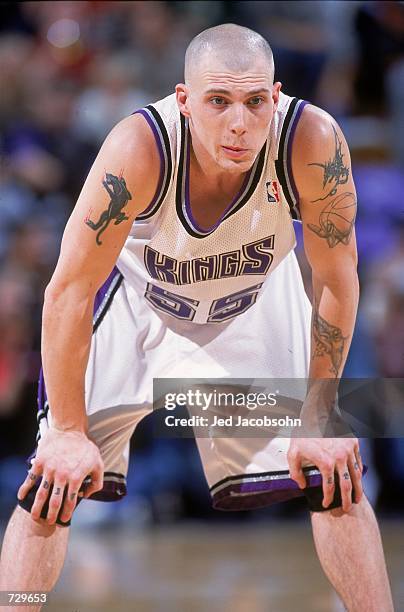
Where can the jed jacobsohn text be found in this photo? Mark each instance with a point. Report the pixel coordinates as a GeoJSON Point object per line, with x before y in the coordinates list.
{"type": "Point", "coordinates": [230, 421]}
{"type": "Point", "coordinates": [204, 400]}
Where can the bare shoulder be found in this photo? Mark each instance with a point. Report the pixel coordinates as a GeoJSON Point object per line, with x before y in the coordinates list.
{"type": "Point", "coordinates": [316, 132]}
{"type": "Point", "coordinates": [320, 153]}
{"type": "Point", "coordinates": [132, 141]}
{"type": "Point", "coordinates": [120, 185]}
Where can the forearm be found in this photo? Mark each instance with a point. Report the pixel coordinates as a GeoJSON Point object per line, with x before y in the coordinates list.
{"type": "Point", "coordinates": [66, 337]}
{"type": "Point", "coordinates": [335, 302]}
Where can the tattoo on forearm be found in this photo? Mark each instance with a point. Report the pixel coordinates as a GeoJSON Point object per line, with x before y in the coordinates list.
{"type": "Point", "coordinates": [119, 194]}
{"type": "Point", "coordinates": [327, 340]}
{"type": "Point", "coordinates": [336, 220]}
{"type": "Point", "coordinates": [335, 172]}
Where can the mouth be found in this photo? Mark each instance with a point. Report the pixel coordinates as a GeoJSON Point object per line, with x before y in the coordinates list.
{"type": "Point", "coordinates": [235, 151]}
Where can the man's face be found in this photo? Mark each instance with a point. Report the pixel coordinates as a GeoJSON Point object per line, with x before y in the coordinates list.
{"type": "Point", "coordinates": [229, 112]}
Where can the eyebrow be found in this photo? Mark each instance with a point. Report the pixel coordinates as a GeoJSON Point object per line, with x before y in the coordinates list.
{"type": "Point", "coordinates": [228, 92]}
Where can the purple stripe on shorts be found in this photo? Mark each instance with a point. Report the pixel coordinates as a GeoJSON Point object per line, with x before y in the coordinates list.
{"type": "Point", "coordinates": [289, 148]}
{"type": "Point", "coordinates": [41, 398]}
{"type": "Point", "coordinates": [252, 495]}
{"type": "Point", "coordinates": [111, 491]}
{"type": "Point", "coordinates": [161, 155]}
{"type": "Point", "coordinates": [101, 293]}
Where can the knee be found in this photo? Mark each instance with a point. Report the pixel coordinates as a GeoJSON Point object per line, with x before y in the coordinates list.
{"type": "Point", "coordinates": [359, 509]}
{"type": "Point", "coordinates": [23, 519]}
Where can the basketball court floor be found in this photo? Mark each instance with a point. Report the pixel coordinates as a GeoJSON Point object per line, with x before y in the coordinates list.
{"type": "Point", "coordinates": [200, 567]}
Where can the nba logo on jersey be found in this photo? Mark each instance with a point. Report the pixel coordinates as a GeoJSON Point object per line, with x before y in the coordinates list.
{"type": "Point", "coordinates": [272, 192]}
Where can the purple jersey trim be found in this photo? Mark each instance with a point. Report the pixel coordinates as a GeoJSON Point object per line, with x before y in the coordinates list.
{"type": "Point", "coordinates": [161, 155]}
{"type": "Point", "coordinates": [291, 136]}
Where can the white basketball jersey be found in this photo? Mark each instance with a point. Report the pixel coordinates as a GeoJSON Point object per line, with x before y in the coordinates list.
{"type": "Point", "coordinates": [211, 276]}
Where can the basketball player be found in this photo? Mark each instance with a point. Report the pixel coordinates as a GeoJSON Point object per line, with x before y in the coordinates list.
{"type": "Point", "coordinates": [178, 261]}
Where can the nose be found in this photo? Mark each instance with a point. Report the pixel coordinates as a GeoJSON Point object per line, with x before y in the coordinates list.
{"type": "Point", "coordinates": [237, 120]}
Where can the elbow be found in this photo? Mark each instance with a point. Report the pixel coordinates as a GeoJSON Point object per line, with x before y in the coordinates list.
{"type": "Point", "coordinates": [53, 292]}
{"type": "Point", "coordinates": [342, 269]}
{"type": "Point", "coordinates": [60, 295]}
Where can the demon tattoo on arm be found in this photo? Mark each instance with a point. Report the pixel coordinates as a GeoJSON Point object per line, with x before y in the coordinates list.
{"type": "Point", "coordinates": [327, 340]}
{"type": "Point", "coordinates": [119, 197]}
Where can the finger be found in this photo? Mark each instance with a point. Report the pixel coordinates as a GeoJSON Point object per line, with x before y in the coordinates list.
{"type": "Point", "coordinates": [55, 500]}
{"type": "Point", "coordinates": [41, 495]}
{"type": "Point", "coordinates": [356, 478]}
{"type": "Point", "coordinates": [345, 487]}
{"type": "Point", "coordinates": [32, 476]}
{"type": "Point", "coordinates": [96, 483]}
{"type": "Point", "coordinates": [328, 483]}
{"type": "Point", "coordinates": [295, 470]}
{"type": "Point", "coordinates": [358, 457]}
{"type": "Point", "coordinates": [70, 501]}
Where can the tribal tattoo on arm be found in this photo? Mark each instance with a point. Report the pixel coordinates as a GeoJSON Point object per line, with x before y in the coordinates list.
{"type": "Point", "coordinates": [327, 340]}
{"type": "Point", "coordinates": [119, 197]}
{"type": "Point", "coordinates": [335, 172]}
{"type": "Point", "coordinates": [337, 219]}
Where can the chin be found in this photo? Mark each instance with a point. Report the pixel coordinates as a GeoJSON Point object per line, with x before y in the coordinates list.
{"type": "Point", "coordinates": [235, 166]}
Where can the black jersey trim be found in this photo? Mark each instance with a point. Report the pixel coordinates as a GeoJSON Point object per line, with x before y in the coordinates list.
{"type": "Point", "coordinates": [180, 197]}
{"type": "Point", "coordinates": [283, 163]}
{"type": "Point", "coordinates": [160, 133]}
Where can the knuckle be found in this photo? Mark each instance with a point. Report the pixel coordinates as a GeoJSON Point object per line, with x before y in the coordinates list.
{"type": "Point", "coordinates": [75, 483]}
{"type": "Point", "coordinates": [326, 464]}
{"type": "Point", "coordinates": [340, 456]}
{"type": "Point", "coordinates": [54, 503]}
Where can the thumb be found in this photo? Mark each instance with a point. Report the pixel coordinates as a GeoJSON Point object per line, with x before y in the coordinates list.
{"type": "Point", "coordinates": [96, 484]}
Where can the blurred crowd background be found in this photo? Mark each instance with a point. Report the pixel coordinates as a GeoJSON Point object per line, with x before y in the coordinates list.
{"type": "Point", "coordinates": [68, 72]}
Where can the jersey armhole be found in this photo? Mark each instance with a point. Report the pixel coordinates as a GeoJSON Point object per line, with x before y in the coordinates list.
{"type": "Point", "coordinates": [283, 164]}
{"type": "Point", "coordinates": [159, 130]}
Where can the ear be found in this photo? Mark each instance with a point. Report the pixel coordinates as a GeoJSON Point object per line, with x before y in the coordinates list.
{"type": "Point", "coordinates": [182, 96]}
{"type": "Point", "coordinates": [276, 90]}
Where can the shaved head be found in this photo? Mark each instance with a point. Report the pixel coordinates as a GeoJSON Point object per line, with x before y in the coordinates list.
{"type": "Point", "coordinates": [229, 99]}
{"type": "Point", "coordinates": [231, 46]}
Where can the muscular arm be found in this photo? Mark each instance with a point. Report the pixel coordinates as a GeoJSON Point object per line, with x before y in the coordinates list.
{"type": "Point", "coordinates": [129, 159]}
{"type": "Point", "coordinates": [120, 185]}
{"type": "Point", "coordinates": [322, 171]}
